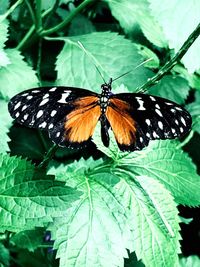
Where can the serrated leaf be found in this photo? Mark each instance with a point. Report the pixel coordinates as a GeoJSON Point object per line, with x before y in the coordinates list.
{"type": "Point", "coordinates": [29, 198]}
{"type": "Point", "coordinates": [29, 239]}
{"type": "Point", "coordinates": [191, 261]}
{"type": "Point", "coordinates": [117, 211]}
{"type": "Point", "coordinates": [4, 139]}
{"type": "Point", "coordinates": [172, 87]}
{"type": "Point", "coordinates": [194, 109]}
{"type": "Point", "coordinates": [3, 32]}
{"type": "Point", "coordinates": [154, 219]}
{"type": "Point", "coordinates": [164, 161]}
{"type": "Point", "coordinates": [130, 12]}
{"type": "Point", "coordinates": [95, 225]}
{"type": "Point", "coordinates": [16, 76]}
{"type": "Point", "coordinates": [149, 54]}
{"type": "Point", "coordinates": [6, 122]}
{"type": "Point", "coordinates": [183, 18]}
{"type": "Point", "coordinates": [76, 68]}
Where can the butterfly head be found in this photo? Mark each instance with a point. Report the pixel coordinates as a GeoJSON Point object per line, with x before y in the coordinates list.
{"type": "Point", "coordinates": [106, 87]}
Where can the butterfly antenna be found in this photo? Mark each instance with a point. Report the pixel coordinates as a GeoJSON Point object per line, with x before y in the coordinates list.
{"type": "Point", "coordinates": [149, 59]}
{"type": "Point", "coordinates": [93, 60]}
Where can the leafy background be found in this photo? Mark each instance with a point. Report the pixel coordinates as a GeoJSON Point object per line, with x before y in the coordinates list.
{"type": "Point", "coordinates": [98, 207]}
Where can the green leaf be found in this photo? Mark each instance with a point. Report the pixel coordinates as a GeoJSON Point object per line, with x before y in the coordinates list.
{"type": "Point", "coordinates": [183, 18]}
{"type": "Point", "coordinates": [191, 261]}
{"type": "Point", "coordinates": [3, 33]}
{"type": "Point", "coordinates": [6, 122]}
{"type": "Point", "coordinates": [76, 68]}
{"type": "Point", "coordinates": [4, 255]}
{"type": "Point", "coordinates": [16, 76]}
{"type": "Point", "coordinates": [192, 78]}
{"type": "Point", "coordinates": [95, 225]}
{"type": "Point", "coordinates": [4, 60]}
{"type": "Point", "coordinates": [29, 239]}
{"type": "Point", "coordinates": [29, 143]}
{"type": "Point", "coordinates": [149, 54]}
{"type": "Point", "coordinates": [174, 88]}
{"type": "Point", "coordinates": [164, 161]}
{"type": "Point", "coordinates": [117, 211]}
{"type": "Point", "coordinates": [194, 109]}
{"type": "Point", "coordinates": [29, 198]}
{"type": "Point", "coordinates": [153, 218]}
{"type": "Point", "coordinates": [81, 25]}
{"type": "Point", "coordinates": [128, 13]}
{"type": "Point", "coordinates": [4, 139]}
{"type": "Point", "coordinates": [4, 6]}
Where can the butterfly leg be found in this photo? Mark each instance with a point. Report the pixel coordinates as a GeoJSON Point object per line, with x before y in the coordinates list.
{"type": "Point", "coordinates": [104, 130]}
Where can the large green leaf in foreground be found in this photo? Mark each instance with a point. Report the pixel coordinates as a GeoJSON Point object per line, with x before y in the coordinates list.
{"type": "Point", "coordinates": [117, 211]}
{"type": "Point", "coordinates": [28, 197]}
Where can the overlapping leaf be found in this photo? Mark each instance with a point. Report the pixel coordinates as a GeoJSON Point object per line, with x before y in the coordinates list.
{"type": "Point", "coordinates": [116, 211]}
{"type": "Point", "coordinates": [28, 197]}
{"type": "Point", "coordinates": [128, 13]}
{"type": "Point", "coordinates": [23, 77]}
{"type": "Point", "coordinates": [178, 20]}
{"type": "Point", "coordinates": [76, 68]}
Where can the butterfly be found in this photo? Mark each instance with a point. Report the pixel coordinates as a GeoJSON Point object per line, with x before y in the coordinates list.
{"type": "Point", "coordinates": [71, 114]}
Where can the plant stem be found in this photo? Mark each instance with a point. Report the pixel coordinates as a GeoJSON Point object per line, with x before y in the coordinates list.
{"type": "Point", "coordinates": [68, 19]}
{"type": "Point", "coordinates": [172, 62]}
{"type": "Point", "coordinates": [38, 21]}
{"type": "Point", "coordinates": [48, 156]}
{"type": "Point", "coordinates": [30, 10]}
{"type": "Point", "coordinates": [10, 10]}
{"type": "Point", "coordinates": [26, 38]}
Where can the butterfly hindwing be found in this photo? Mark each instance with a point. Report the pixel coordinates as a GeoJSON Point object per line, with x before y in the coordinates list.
{"type": "Point", "coordinates": [137, 118]}
{"type": "Point", "coordinates": [53, 109]}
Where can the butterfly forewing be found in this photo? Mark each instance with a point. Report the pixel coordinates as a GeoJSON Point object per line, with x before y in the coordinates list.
{"type": "Point", "coordinates": [152, 118]}
{"type": "Point", "coordinates": [54, 109]}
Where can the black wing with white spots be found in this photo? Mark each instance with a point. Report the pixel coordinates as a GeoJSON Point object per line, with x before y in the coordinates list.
{"type": "Point", "coordinates": [156, 118]}
{"type": "Point", "coordinates": [46, 108]}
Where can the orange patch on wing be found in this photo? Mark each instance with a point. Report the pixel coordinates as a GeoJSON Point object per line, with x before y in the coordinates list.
{"type": "Point", "coordinates": [80, 123]}
{"type": "Point", "coordinates": [122, 124]}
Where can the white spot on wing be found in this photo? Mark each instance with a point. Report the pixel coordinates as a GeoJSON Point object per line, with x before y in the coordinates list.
{"type": "Point", "coordinates": [25, 116]}
{"type": "Point", "coordinates": [44, 101]}
{"type": "Point", "coordinates": [167, 103]}
{"type": "Point", "coordinates": [43, 125]}
{"type": "Point", "coordinates": [51, 126]}
{"type": "Point", "coordinates": [158, 112]}
{"type": "Point", "coordinates": [148, 122]}
{"type": "Point", "coordinates": [29, 97]}
{"type": "Point", "coordinates": [181, 129]}
{"type": "Point", "coordinates": [173, 130]}
{"type": "Point", "coordinates": [141, 139]}
{"type": "Point", "coordinates": [17, 105]}
{"type": "Point", "coordinates": [141, 103]}
{"type": "Point", "coordinates": [178, 108]}
{"type": "Point", "coordinates": [152, 98]}
{"type": "Point", "coordinates": [58, 134]}
{"type": "Point", "coordinates": [147, 134]}
{"type": "Point", "coordinates": [24, 107]}
{"type": "Point", "coordinates": [53, 89]}
{"type": "Point", "coordinates": [176, 122]}
{"type": "Point", "coordinates": [40, 113]}
{"type": "Point", "coordinates": [35, 91]}
{"type": "Point", "coordinates": [64, 96]}
{"type": "Point", "coordinates": [45, 96]}
{"type": "Point", "coordinates": [160, 125]}
{"type": "Point", "coordinates": [17, 115]}
{"type": "Point", "coordinates": [53, 113]}
{"type": "Point", "coordinates": [155, 135]}
{"type": "Point", "coordinates": [183, 121]}
{"type": "Point", "coordinates": [157, 106]}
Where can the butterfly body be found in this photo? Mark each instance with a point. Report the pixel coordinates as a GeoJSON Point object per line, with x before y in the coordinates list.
{"type": "Point", "coordinates": [70, 116]}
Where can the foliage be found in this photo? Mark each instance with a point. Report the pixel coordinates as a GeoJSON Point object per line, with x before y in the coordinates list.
{"type": "Point", "coordinates": [99, 206]}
